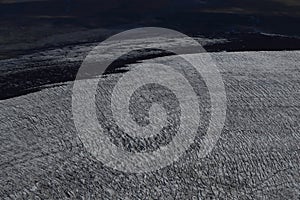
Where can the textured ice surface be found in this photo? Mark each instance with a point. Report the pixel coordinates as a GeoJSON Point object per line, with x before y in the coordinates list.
{"type": "Point", "coordinates": [256, 157]}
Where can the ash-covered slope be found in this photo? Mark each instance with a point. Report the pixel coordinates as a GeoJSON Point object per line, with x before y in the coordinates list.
{"type": "Point", "coordinates": [24, 74]}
